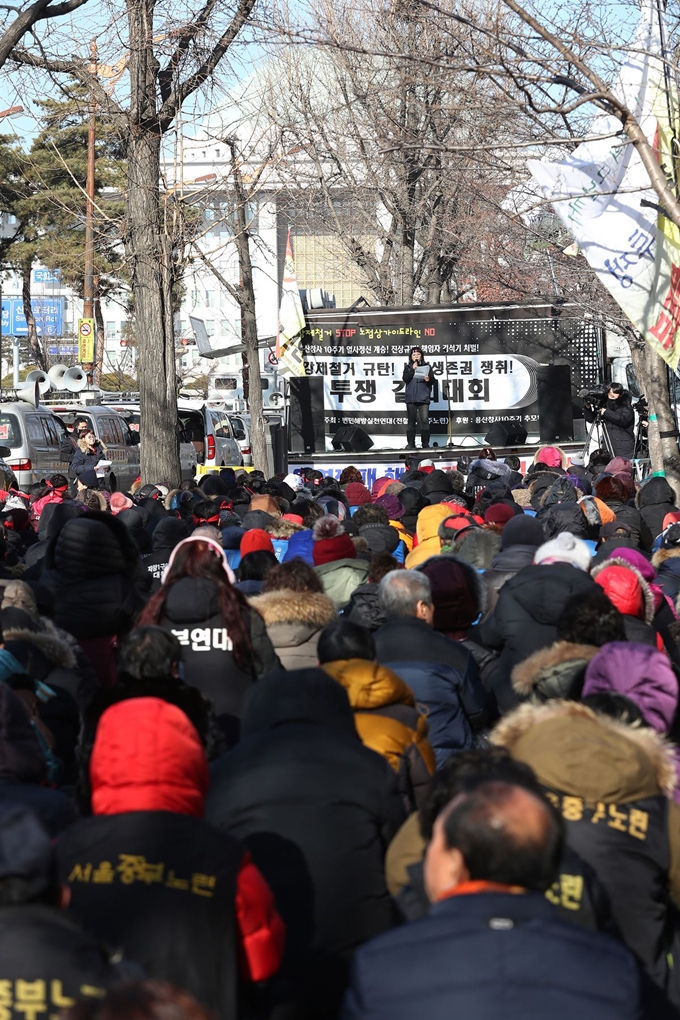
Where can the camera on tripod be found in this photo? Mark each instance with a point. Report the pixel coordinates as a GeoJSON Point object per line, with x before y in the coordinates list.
{"type": "Point", "coordinates": [595, 399]}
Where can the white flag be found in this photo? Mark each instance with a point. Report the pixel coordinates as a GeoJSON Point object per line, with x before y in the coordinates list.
{"type": "Point", "coordinates": [291, 320]}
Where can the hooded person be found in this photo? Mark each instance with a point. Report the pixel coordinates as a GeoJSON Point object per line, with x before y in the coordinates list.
{"type": "Point", "coordinates": [373, 524]}
{"type": "Point", "coordinates": [146, 874]}
{"type": "Point", "coordinates": [437, 487]}
{"type": "Point", "coordinates": [413, 502]}
{"type": "Point", "coordinates": [626, 588]}
{"type": "Point", "coordinates": [484, 470]}
{"type": "Point", "coordinates": [427, 543]}
{"type": "Point", "coordinates": [335, 560]}
{"type": "Point", "coordinates": [665, 615]}
{"type": "Point", "coordinates": [552, 457]}
{"type": "Point", "coordinates": [224, 641]}
{"type": "Point", "coordinates": [586, 624]}
{"type": "Point", "coordinates": [136, 520]}
{"type": "Point", "coordinates": [52, 519]}
{"type": "Point", "coordinates": [91, 566]}
{"type": "Point", "coordinates": [294, 621]}
{"type": "Point", "coordinates": [168, 533]}
{"type": "Point", "coordinates": [394, 509]}
{"type": "Point", "coordinates": [317, 810]}
{"type": "Point", "coordinates": [611, 783]}
{"type": "Point", "coordinates": [615, 493]}
{"type": "Point", "coordinates": [529, 608]}
{"type": "Point", "coordinates": [385, 713]}
{"type": "Point", "coordinates": [357, 494]}
{"type": "Point", "coordinates": [560, 511]}
{"type": "Point", "coordinates": [23, 767]}
{"type": "Point", "coordinates": [666, 560]}
{"type": "Point", "coordinates": [520, 538]}
{"type": "Point", "coordinates": [654, 500]}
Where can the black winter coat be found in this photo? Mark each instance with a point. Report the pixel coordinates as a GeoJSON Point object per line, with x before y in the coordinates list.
{"type": "Point", "coordinates": [90, 566]}
{"type": "Point", "coordinates": [619, 420]}
{"type": "Point", "coordinates": [417, 391]}
{"type": "Point", "coordinates": [40, 944]}
{"type": "Point", "coordinates": [175, 933]}
{"type": "Point", "coordinates": [316, 809]}
{"type": "Point", "coordinates": [525, 619]}
{"type": "Point", "coordinates": [168, 533]}
{"type": "Point", "coordinates": [563, 517]}
{"type": "Point", "coordinates": [381, 538]}
{"type": "Point", "coordinates": [364, 607]}
{"type": "Point", "coordinates": [442, 675]}
{"type": "Point", "coordinates": [192, 613]}
{"type": "Point", "coordinates": [654, 500]}
{"type": "Point", "coordinates": [640, 533]}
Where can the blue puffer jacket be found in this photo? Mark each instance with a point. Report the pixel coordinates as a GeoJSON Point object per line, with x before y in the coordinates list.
{"type": "Point", "coordinates": [443, 677]}
{"type": "Point", "coordinates": [667, 563]}
{"type": "Point", "coordinates": [489, 955]}
{"type": "Point", "coordinates": [300, 547]}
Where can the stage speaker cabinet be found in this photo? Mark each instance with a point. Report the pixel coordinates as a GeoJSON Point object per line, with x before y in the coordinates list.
{"type": "Point", "coordinates": [306, 428]}
{"type": "Point", "coordinates": [506, 433]}
{"type": "Point", "coordinates": [555, 411]}
{"type": "Point", "coordinates": [352, 439]}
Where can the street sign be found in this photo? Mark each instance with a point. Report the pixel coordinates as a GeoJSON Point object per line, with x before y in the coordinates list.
{"type": "Point", "coordinates": [272, 359]}
{"type": "Point", "coordinates": [86, 340]}
{"type": "Point", "coordinates": [62, 350]}
{"type": "Point", "coordinates": [48, 313]}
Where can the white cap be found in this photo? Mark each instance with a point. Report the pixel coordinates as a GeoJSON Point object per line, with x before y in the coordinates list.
{"type": "Point", "coordinates": [294, 482]}
{"type": "Point", "coordinates": [564, 548]}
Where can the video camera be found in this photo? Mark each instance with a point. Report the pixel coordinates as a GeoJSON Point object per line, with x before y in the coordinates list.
{"type": "Point", "coordinates": [596, 398]}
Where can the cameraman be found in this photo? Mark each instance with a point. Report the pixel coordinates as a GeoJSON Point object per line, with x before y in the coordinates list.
{"type": "Point", "coordinates": [619, 418]}
{"type": "Point", "coordinates": [417, 400]}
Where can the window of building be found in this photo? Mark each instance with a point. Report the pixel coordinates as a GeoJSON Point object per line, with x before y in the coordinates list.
{"type": "Point", "coordinates": [210, 327]}
{"type": "Point", "coordinates": [210, 299]}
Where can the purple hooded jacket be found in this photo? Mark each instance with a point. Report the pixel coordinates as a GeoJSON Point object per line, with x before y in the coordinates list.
{"type": "Point", "coordinates": [642, 674]}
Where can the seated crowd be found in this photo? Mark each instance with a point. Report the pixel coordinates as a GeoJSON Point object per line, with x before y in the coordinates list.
{"type": "Point", "coordinates": [301, 749]}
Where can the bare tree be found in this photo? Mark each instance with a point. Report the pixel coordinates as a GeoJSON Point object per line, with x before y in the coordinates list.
{"type": "Point", "coordinates": [27, 17]}
{"type": "Point", "coordinates": [165, 67]}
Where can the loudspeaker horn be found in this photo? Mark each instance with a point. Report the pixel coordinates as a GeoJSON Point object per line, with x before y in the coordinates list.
{"type": "Point", "coordinates": [56, 375]}
{"type": "Point", "coordinates": [75, 379]}
{"type": "Point", "coordinates": [41, 378]}
{"type": "Point", "coordinates": [29, 392]}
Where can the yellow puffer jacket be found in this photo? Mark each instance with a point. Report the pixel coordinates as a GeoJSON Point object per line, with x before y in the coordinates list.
{"type": "Point", "coordinates": [388, 721]}
{"type": "Point", "coordinates": [406, 538]}
{"type": "Point", "coordinates": [427, 533]}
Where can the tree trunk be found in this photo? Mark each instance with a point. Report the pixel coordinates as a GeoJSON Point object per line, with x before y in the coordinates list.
{"type": "Point", "coordinates": [34, 345]}
{"type": "Point", "coordinates": [248, 317]}
{"type": "Point", "coordinates": [148, 256]}
{"type": "Point", "coordinates": [663, 445]}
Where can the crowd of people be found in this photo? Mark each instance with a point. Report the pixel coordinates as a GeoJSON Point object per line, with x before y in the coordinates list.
{"type": "Point", "coordinates": [294, 748]}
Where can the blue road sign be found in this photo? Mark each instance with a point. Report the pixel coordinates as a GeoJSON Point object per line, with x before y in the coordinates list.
{"type": "Point", "coordinates": [48, 312]}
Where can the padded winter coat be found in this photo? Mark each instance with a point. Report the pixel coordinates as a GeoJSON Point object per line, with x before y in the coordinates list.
{"type": "Point", "coordinates": [84, 459]}
{"type": "Point", "coordinates": [525, 619]}
{"type": "Point", "coordinates": [341, 578]}
{"type": "Point", "coordinates": [427, 534]}
{"type": "Point", "coordinates": [317, 810]}
{"type": "Point", "coordinates": [389, 722]}
{"type": "Point", "coordinates": [192, 613]}
{"type": "Point", "coordinates": [654, 500]}
{"type": "Point", "coordinates": [667, 563]}
{"type": "Point", "coordinates": [181, 899]}
{"type": "Point", "coordinates": [443, 677]}
{"type": "Point", "coordinates": [491, 954]}
{"type": "Point", "coordinates": [554, 672]}
{"type": "Point", "coordinates": [364, 607]}
{"type": "Point", "coordinates": [619, 419]}
{"type": "Point", "coordinates": [294, 621]}
{"type": "Point", "coordinates": [611, 784]}
{"type": "Point", "coordinates": [627, 590]}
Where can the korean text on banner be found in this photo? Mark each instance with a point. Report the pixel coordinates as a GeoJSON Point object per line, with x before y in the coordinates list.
{"type": "Point", "coordinates": [291, 320]}
{"type": "Point", "coordinates": [603, 195]}
{"type": "Point", "coordinates": [86, 340]}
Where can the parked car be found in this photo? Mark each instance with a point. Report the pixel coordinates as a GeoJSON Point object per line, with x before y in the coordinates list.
{"type": "Point", "coordinates": [240, 426]}
{"type": "Point", "coordinates": [111, 428]}
{"type": "Point", "coordinates": [33, 437]}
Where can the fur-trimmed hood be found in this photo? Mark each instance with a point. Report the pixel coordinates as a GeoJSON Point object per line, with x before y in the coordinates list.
{"type": "Point", "coordinates": [494, 468]}
{"type": "Point", "coordinates": [46, 641]}
{"type": "Point", "coordinates": [661, 555]}
{"type": "Point", "coordinates": [585, 754]}
{"type": "Point", "coordinates": [84, 448]}
{"type": "Point", "coordinates": [550, 672]}
{"type": "Point", "coordinates": [284, 606]}
{"type": "Point", "coordinates": [616, 592]}
{"type": "Point", "coordinates": [279, 528]}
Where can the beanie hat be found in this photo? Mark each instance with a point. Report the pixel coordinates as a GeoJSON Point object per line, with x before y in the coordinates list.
{"type": "Point", "coordinates": [671, 537]}
{"type": "Point", "coordinates": [357, 494]}
{"type": "Point", "coordinates": [119, 501]}
{"type": "Point", "coordinates": [523, 529]}
{"type": "Point", "coordinates": [255, 540]}
{"type": "Point", "coordinates": [391, 505]}
{"type": "Point", "coordinates": [564, 548]}
{"type": "Point", "coordinates": [498, 513]}
{"type": "Point", "coordinates": [379, 486]}
{"type": "Point", "coordinates": [294, 481]}
{"type": "Point", "coordinates": [331, 541]}
{"type": "Point", "coordinates": [577, 459]}
{"type": "Point", "coordinates": [551, 457]}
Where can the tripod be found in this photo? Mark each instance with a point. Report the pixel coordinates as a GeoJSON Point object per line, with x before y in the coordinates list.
{"type": "Point", "coordinates": [599, 429]}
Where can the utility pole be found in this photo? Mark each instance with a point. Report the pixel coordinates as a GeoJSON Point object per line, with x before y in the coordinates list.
{"type": "Point", "coordinates": [88, 284]}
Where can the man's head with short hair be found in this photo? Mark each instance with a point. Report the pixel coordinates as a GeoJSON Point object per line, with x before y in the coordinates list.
{"type": "Point", "coordinates": [150, 653]}
{"type": "Point", "coordinates": [498, 832]}
{"type": "Point", "coordinates": [406, 593]}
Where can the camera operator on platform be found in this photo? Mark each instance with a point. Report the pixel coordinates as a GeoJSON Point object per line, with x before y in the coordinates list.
{"type": "Point", "coordinates": [418, 388]}
{"type": "Point", "coordinates": [617, 415]}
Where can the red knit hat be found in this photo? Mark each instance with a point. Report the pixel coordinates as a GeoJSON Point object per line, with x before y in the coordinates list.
{"type": "Point", "coordinates": [498, 513]}
{"type": "Point", "coordinates": [254, 540]}
{"type": "Point", "coordinates": [331, 542]}
{"type": "Point", "coordinates": [357, 494]}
